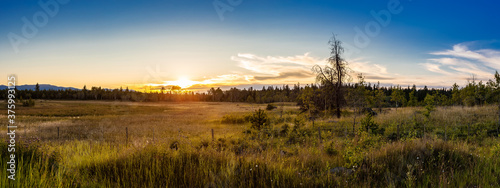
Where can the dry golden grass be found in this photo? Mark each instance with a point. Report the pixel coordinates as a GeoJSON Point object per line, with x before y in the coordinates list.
{"type": "Point", "coordinates": [92, 142]}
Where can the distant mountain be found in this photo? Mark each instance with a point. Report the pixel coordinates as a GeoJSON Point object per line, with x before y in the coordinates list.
{"type": "Point", "coordinates": [42, 87]}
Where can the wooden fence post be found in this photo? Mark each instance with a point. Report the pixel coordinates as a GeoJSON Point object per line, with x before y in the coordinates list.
{"type": "Point", "coordinates": [354, 126]}
{"type": "Point", "coordinates": [57, 132]}
{"type": "Point", "coordinates": [153, 134]}
{"type": "Point", "coordinates": [213, 139]}
{"type": "Point", "coordinates": [102, 132]}
{"type": "Point", "coordinates": [398, 131]}
{"type": "Point", "coordinates": [126, 133]}
{"type": "Point", "coordinates": [468, 130]}
{"type": "Point", "coordinates": [346, 131]}
{"type": "Point", "coordinates": [319, 134]}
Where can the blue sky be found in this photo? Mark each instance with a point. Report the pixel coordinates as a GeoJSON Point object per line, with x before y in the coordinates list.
{"type": "Point", "coordinates": [259, 42]}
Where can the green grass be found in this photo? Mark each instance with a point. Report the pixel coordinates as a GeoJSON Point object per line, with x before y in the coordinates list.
{"type": "Point", "coordinates": [91, 149]}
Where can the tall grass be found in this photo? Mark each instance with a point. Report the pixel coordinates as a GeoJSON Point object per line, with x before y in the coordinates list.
{"type": "Point", "coordinates": [34, 167]}
{"type": "Point", "coordinates": [91, 150]}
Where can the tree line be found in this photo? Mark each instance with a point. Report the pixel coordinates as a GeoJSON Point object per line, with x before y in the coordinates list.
{"type": "Point", "coordinates": [365, 95]}
{"type": "Point", "coordinates": [360, 94]}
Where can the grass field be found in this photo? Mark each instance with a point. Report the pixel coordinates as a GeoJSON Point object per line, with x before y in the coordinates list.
{"type": "Point", "coordinates": [124, 144]}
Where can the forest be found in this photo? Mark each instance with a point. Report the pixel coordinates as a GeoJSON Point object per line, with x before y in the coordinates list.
{"type": "Point", "coordinates": [359, 94]}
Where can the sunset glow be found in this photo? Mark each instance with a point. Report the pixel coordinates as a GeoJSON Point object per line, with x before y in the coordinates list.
{"type": "Point", "coordinates": [182, 82]}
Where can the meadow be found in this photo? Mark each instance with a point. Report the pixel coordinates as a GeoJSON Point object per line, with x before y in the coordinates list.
{"type": "Point", "coordinates": [212, 144]}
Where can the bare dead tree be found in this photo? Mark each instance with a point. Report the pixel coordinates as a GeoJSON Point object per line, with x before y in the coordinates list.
{"type": "Point", "coordinates": [334, 74]}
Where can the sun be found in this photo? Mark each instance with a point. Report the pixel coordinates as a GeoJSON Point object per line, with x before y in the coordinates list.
{"type": "Point", "coordinates": [182, 82]}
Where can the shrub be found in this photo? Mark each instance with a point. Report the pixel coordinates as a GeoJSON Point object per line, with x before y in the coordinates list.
{"type": "Point", "coordinates": [233, 119]}
{"type": "Point", "coordinates": [204, 144]}
{"type": "Point", "coordinates": [259, 119]}
{"type": "Point", "coordinates": [331, 150]}
{"type": "Point", "coordinates": [353, 156]}
{"type": "Point", "coordinates": [298, 122]}
{"type": "Point", "coordinates": [270, 107]}
{"type": "Point", "coordinates": [284, 129]}
{"type": "Point", "coordinates": [174, 145]}
{"type": "Point", "coordinates": [417, 163]}
{"type": "Point", "coordinates": [368, 124]}
{"type": "Point", "coordinates": [429, 105]}
{"type": "Point", "coordinates": [28, 103]}
{"type": "Point", "coordinates": [495, 151]}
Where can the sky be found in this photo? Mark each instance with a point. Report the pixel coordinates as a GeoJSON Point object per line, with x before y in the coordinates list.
{"type": "Point", "coordinates": [199, 44]}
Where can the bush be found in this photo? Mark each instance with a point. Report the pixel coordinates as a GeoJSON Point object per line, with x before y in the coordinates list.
{"type": "Point", "coordinates": [284, 129]}
{"type": "Point", "coordinates": [28, 103]}
{"type": "Point", "coordinates": [417, 163]}
{"type": "Point", "coordinates": [368, 124]}
{"type": "Point", "coordinates": [259, 119]}
{"type": "Point", "coordinates": [331, 150]}
{"type": "Point", "coordinates": [495, 151]}
{"type": "Point", "coordinates": [270, 107]}
{"type": "Point", "coordinates": [233, 119]}
{"type": "Point", "coordinates": [298, 122]}
{"type": "Point", "coordinates": [174, 145]}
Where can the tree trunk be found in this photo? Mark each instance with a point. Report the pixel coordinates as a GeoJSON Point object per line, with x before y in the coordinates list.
{"type": "Point", "coordinates": [337, 99]}
{"type": "Point", "coordinates": [339, 82]}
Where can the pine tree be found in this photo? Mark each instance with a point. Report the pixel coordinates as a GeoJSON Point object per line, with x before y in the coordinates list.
{"type": "Point", "coordinates": [398, 97]}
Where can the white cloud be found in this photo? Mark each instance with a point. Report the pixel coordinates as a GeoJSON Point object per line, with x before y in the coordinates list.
{"type": "Point", "coordinates": [455, 65]}
{"type": "Point", "coordinates": [372, 72]}
{"type": "Point", "coordinates": [278, 68]}
{"type": "Point", "coordinates": [461, 62]}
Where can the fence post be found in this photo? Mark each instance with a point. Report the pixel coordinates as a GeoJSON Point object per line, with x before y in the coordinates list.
{"type": "Point", "coordinates": [468, 130]}
{"type": "Point", "coordinates": [319, 134]}
{"type": "Point", "coordinates": [354, 126]}
{"type": "Point", "coordinates": [126, 133]}
{"type": "Point", "coordinates": [57, 132]}
{"type": "Point", "coordinates": [153, 134]}
{"type": "Point", "coordinates": [102, 132]}
{"type": "Point", "coordinates": [213, 135]}
{"type": "Point", "coordinates": [346, 131]}
{"type": "Point", "coordinates": [398, 131]}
